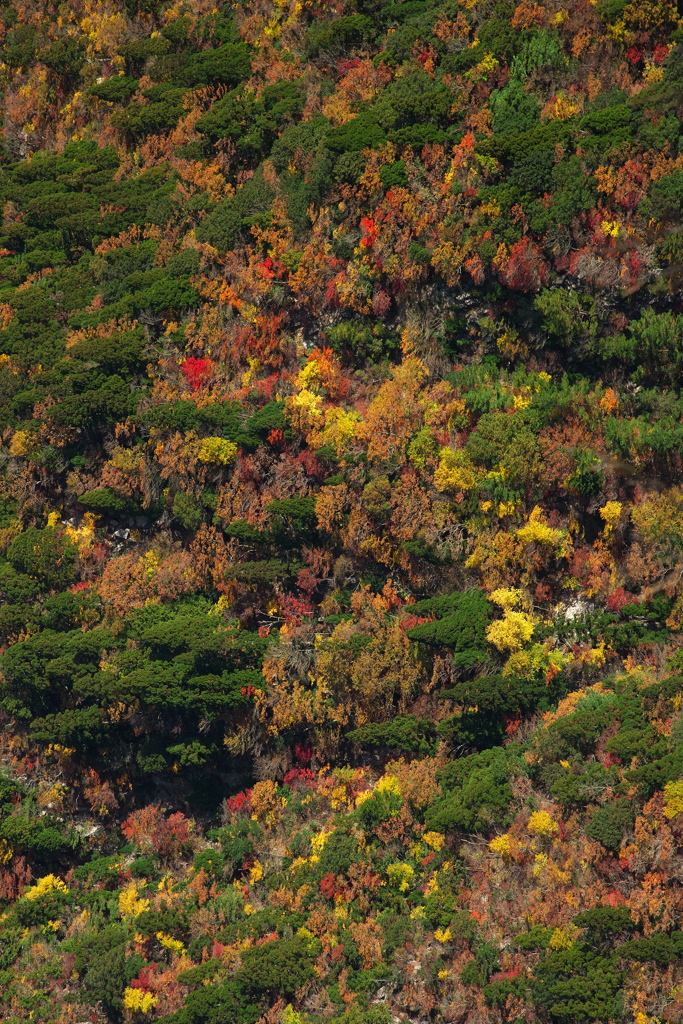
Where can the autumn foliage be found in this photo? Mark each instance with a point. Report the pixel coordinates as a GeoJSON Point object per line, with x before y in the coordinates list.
{"type": "Point", "coordinates": [341, 512]}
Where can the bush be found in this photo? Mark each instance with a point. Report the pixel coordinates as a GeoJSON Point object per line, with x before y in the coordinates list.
{"type": "Point", "coordinates": [604, 924]}
{"type": "Point", "coordinates": [384, 803]}
{"type": "Point", "coordinates": [115, 90]}
{"type": "Point", "coordinates": [361, 341]}
{"type": "Point", "coordinates": [105, 968]}
{"type": "Point", "coordinates": [361, 132]}
{"type": "Point", "coordinates": [463, 630]}
{"type": "Point", "coordinates": [662, 949]}
{"type": "Point", "coordinates": [30, 913]}
{"type": "Point", "coordinates": [653, 346]}
{"type": "Point", "coordinates": [210, 861]}
{"type": "Point", "coordinates": [278, 968]}
{"type": "Point", "coordinates": [340, 851]}
{"type": "Point", "coordinates": [106, 501]}
{"type": "Point", "coordinates": [223, 225]}
{"type": "Point", "coordinates": [237, 842]}
{"type": "Point", "coordinates": [403, 733]}
{"type": "Point", "coordinates": [478, 792]}
{"type": "Point", "coordinates": [297, 513]}
{"type": "Point", "coordinates": [393, 175]}
{"type": "Point", "coordinates": [186, 509]}
{"type": "Point", "coordinates": [338, 36]}
{"type": "Point", "coordinates": [45, 555]}
{"type": "Point", "coordinates": [577, 985]}
{"type": "Point", "coordinates": [153, 832]}
{"type": "Point", "coordinates": [514, 110]}
{"type": "Point", "coordinates": [40, 840]}
{"type": "Point", "coordinates": [610, 822]}
{"type": "Point", "coordinates": [162, 114]}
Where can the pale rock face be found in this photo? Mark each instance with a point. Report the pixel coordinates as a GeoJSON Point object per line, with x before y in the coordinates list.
{"type": "Point", "coordinates": [576, 608]}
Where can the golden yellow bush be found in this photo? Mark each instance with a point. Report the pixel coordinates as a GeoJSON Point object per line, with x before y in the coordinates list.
{"type": "Point", "coordinates": [49, 883]}
{"type": "Point", "coordinates": [318, 842]}
{"type": "Point", "coordinates": [388, 784]}
{"type": "Point", "coordinates": [541, 824]}
{"type": "Point", "coordinates": [563, 938]}
{"type": "Point", "coordinates": [340, 428]}
{"type": "Point", "coordinates": [511, 632]}
{"type": "Point", "coordinates": [22, 445]}
{"type": "Point", "coordinates": [290, 1015]}
{"type": "Point", "coordinates": [456, 471]}
{"type": "Point", "coordinates": [611, 513]}
{"type": "Point", "coordinates": [673, 799]}
{"type": "Point", "coordinates": [507, 597]}
{"type": "Point", "coordinates": [168, 942]}
{"type": "Point", "coordinates": [129, 904]}
{"type": "Point", "coordinates": [501, 845]}
{"type": "Point", "coordinates": [265, 800]}
{"type": "Point", "coordinates": [434, 839]}
{"type": "Point", "coordinates": [138, 1001]}
{"type": "Point", "coordinates": [537, 531]}
{"type": "Point", "coordinates": [401, 875]}
{"type": "Point", "coordinates": [218, 450]}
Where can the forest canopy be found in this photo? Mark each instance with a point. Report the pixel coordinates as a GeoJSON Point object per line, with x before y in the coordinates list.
{"type": "Point", "coordinates": [341, 512]}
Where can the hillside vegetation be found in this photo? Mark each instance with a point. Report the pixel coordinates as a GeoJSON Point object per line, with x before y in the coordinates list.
{"type": "Point", "coordinates": [341, 512]}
